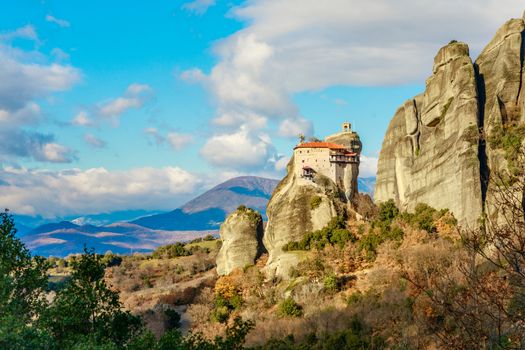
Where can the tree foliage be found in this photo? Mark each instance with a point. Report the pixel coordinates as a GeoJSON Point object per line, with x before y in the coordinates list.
{"type": "Point", "coordinates": [88, 309]}
{"type": "Point", "coordinates": [23, 281]}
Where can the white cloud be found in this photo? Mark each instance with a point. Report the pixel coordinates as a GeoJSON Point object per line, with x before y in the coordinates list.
{"type": "Point", "coordinates": [60, 54]}
{"type": "Point", "coordinates": [97, 190]}
{"type": "Point", "coordinates": [241, 149]}
{"type": "Point", "coordinates": [26, 32]}
{"type": "Point", "coordinates": [24, 77]}
{"type": "Point", "coordinates": [60, 22]}
{"type": "Point", "coordinates": [178, 141]}
{"type": "Point", "coordinates": [94, 141]}
{"type": "Point", "coordinates": [82, 119]}
{"type": "Point", "coordinates": [368, 166]}
{"type": "Point", "coordinates": [55, 153]}
{"type": "Point", "coordinates": [193, 75]}
{"type": "Point", "coordinates": [29, 114]}
{"type": "Point", "coordinates": [135, 97]}
{"type": "Point", "coordinates": [295, 127]}
{"type": "Point", "coordinates": [198, 7]}
{"type": "Point", "coordinates": [293, 46]}
{"type": "Point", "coordinates": [281, 163]}
{"type": "Point", "coordinates": [16, 142]}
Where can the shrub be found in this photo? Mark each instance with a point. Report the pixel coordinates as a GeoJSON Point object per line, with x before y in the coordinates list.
{"type": "Point", "coordinates": [172, 319]}
{"type": "Point", "coordinates": [315, 202]}
{"type": "Point", "coordinates": [171, 251]}
{"type": "Point", "coordinates": [369, 244]}
{"type": "Point", "coordinates": [388, 211]}
{"type": "Point", "coordinates": [331, 283]}
{"type": "Point", "coordinates": [354, 298]}
{"type": "Point", "coordinates": [289, 308]}
{"type": "Point", "coordinates": [334, 232]}
{"type": "Point", "coordinates": [425, 217]}
{"type": "Point", "coordinates": [227, 299]}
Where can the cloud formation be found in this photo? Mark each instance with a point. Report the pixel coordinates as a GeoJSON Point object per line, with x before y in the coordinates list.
{"type": "Point", "coordinates": [22, 81]}
{"type": "Point", "coordinates": [60, 22]}
{"type": "Point", "coordinates": [33, 145]}
{"type": "Point", "coordinates": [135, 97]}
{"type": "Point", "coordinates": [176, 140]}
{"type": "Point", "coordinates": [198, 7]}
{"type": "Point", "coordinates": [289, 47]}
{"type": "Point", "coordinates": [94, 141]}
{"type": "Point", "coordinates": [82, 119]}
{"type": "Point", "coordinates": [243, 149]}
{"type": "Point", "coordinates": [96, 190]}
{"type": "Point", "coordinates": [25, 77]}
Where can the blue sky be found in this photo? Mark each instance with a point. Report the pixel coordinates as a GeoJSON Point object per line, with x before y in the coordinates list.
{"type": "Point", "coordinates": [114, 105]}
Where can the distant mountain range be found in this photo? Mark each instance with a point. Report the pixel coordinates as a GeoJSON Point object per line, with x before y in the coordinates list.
{"type": "Point", "coordinates": [209, 210]}
{"type": "Point", "coordinates": [199, 217]}
{"type": "Point", "coordinates": [133, 233]}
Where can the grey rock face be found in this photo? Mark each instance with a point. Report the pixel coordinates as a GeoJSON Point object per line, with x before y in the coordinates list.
{"type": "Point", "coordinates": [430, 151]}
{"type": "Point", "coordinates": [290, 216]}
{"type": "Point", "coordinates": [351, 141]}
{"type": "Point", "coordinates": [241, 235]}
{"type": "Point", "coordinates": [501, 76]}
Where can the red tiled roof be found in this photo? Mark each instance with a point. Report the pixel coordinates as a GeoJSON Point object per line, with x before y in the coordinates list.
{"type": "Point", "coordinates": [320, 144]}
{"type": "Point", "coordinates": [350, 153]}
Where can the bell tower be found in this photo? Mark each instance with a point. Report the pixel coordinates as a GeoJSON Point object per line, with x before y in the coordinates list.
{"type": "Point", "coordinates": [347, 127]}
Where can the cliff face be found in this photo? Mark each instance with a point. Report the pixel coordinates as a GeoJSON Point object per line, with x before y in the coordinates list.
{"type": "Point", "coordinates": [291, 214]}
{"type": "Point", "coordinates": [241, 235]}
{"type": "Point", "coordinates": [433, 152]}
{"type": "Point", "coordinates": [351, 141]}
{"type": "Point", "coordinates": [501, 75]}
{"type": "Point", "coordinates": [430, 151]}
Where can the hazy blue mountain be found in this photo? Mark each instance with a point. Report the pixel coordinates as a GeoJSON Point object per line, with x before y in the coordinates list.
{"type": "Point", "coordinates": [366, 185]}
{"type": "Point", "coordinates": [199, 217]}
{"type": "Point", "coordinates": [208, 211]}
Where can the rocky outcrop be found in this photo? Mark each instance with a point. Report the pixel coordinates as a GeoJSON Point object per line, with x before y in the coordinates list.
{"type": "Point", "coordinates": [241, 235]}
{"type": "Point", "coordinates": [352, 142]}
{"type": "Point", "coordinates": [430, 151]}
{"type": "Point", "coordinates": [501, 76]}
{"type": "Point", "coordinates": [443, 146]}
{"type": "Point", "coordinates": [297, 206]}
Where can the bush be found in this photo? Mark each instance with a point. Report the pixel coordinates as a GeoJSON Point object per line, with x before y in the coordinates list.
{"type": "Point", "coordinates": [289, 308]}
{"type": "Point", "coordinates": [315, 202]}
{"type": "Point", "coordinates": [172, 319]}
{"type": "Point", "coordinates": [331, 283]}
{"type": "Point", "coordinates": [334, 232]}
{"type": "Point", "coordinates": [171, 251]}
{"type": "Point", "coordinates": [369, 244]}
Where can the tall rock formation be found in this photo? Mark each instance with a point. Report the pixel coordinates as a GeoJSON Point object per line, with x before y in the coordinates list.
{"type": "Point", "coordinates": [291, 214]}
{"type": "Point", "coordinates": [433, 152]}
{"type": "Point", "coordinates": [430, 150]}
{"type": "Point", "coordinates": [350, 139]}
{"type": "Point", "coordinates": [501, 75]}
{"type": "Point", "coordinates": [241, 235]}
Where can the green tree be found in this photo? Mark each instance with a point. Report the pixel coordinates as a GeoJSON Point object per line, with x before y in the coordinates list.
{"type": "Point", "coordinates": [23, 281]}
{"type": "Point", "coordinates": [87, 310]}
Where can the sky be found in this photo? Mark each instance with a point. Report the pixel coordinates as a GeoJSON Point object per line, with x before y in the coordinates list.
{"type": "Point", "coordinates": [117, 105]}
